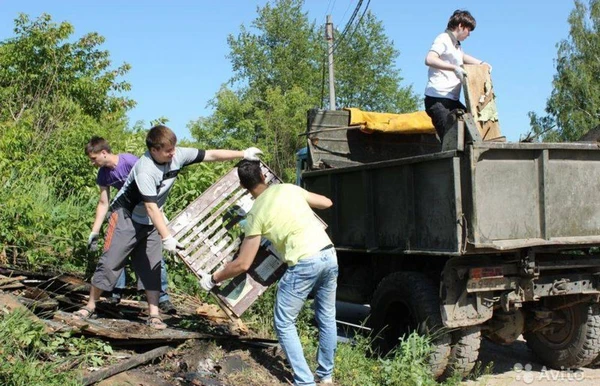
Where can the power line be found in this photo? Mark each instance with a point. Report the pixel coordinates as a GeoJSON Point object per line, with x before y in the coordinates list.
{"type": "Point", "coordinates": [348, 25]}
{"type": "Point", "coordinates": [342, 36]}
{"type": "Point", "coordinates": [360, 20]}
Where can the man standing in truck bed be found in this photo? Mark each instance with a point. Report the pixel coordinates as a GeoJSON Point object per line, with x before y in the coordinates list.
{"type": "Point", "coordinates": [445, 59]}
{"type": "Point", "coordinates": [282, 214]}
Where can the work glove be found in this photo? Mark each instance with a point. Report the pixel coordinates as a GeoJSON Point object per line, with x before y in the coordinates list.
{"type": "Point", "coordinates": [171, 245]}
{"type": "Point", "coordinates": [92, 244]}
{"type": "Point", "coordinates": [206, 281]}
{"type": "Point", "coordinates": [460, 73]}
{"type": "Point", "coordinates": [252, 153]}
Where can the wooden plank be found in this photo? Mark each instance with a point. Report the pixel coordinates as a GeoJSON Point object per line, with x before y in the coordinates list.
{"type": "Point", "coordinates": [480, 100]}
{"type": "Point", "coordinates": [134, 361]}
{"type": "Point", "coordinates": [120, 329]}
{"type": "Point", "coordinates": [204, 228]}
{"type": "Point", "coordinates": [11, 303]}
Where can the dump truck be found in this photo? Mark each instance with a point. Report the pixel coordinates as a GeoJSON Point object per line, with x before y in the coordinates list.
{"type": "Point", "coordinates": [471, 239]}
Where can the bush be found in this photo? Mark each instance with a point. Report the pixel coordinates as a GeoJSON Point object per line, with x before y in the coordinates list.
{"type": "Point", "coordinates": [39, 228]}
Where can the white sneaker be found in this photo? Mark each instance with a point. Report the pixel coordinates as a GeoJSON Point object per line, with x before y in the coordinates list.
{"type": "Point", "coordinates": [325, 381]}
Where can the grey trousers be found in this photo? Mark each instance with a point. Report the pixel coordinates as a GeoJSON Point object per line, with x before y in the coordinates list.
{"type": "Point", "coordinates": [124, 238]}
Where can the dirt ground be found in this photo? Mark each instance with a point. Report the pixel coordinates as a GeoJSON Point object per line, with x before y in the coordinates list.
{"type": "Point", "coordinates": [210, 364]}
{"type": "Point", "coordinates": [516, 365]}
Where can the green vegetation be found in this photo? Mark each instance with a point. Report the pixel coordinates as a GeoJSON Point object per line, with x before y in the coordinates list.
{"type": "Point", "coordinates": [572, 108]}
{"type": "Point", "coordinates": [278, 65]}
{"type": "Point", "coordinates": [31, 357]}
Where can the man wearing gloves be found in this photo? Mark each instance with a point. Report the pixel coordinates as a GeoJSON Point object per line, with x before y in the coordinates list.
{"type": "Point", "coordinates": [282, 214]}
{"type": "Point", "coordinates": [113, 170]}
{"type": "Point", "coordinates": [445, 59]}
{"type": "Point", "coordinates": [137, 226]}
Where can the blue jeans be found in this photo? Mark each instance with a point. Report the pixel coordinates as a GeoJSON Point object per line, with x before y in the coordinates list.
{"type": "Point", "coordinates": [316, 274]}
{"type": "Point", "coordinates": [164, 296]}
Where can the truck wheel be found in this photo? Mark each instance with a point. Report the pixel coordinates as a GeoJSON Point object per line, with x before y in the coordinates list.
{"type": "Point", "coordinates": [572, 341]}
{"type": "Point", "coordinates": [404, 302]}
{"type": "Point", "coordinates": [465, 351]}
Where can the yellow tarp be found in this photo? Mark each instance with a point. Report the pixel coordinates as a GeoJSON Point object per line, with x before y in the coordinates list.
{"type": "Point", "coordinates": [411, 123]}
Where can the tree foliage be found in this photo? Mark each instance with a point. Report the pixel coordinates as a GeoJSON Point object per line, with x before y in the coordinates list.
{"type": "Point", "coordinates": [55, 92]}
{"type": "Point", "coordinates": [366, 76]}
{"type": "Point", "coordinates": [278, 67]}
{"type": "Point", "coordinates": [573, 108]}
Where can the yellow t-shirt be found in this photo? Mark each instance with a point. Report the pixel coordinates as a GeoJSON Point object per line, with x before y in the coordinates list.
{"type": "Point", "coordinates": [282, 215]}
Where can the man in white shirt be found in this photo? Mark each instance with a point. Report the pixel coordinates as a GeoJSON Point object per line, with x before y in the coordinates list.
{"type": "Point", "coordinates": [445, 59]}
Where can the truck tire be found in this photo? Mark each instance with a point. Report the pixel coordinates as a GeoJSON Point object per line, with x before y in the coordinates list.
{"type": "Point", "coordinates": [574, 343]}
{"type": "Point", "coordinates": [404, 302]}
{"type": "Point", "coordinates": [464, 353]}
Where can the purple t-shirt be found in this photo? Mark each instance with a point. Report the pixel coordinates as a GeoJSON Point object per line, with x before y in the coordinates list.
{"type": "Point", "coordinates": [116, 177]}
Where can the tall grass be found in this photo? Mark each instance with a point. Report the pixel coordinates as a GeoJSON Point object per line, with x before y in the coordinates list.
{"type": "Point", "coordinates": [31, 357]}
{"type": "Point", "coordinates": [38, 227]}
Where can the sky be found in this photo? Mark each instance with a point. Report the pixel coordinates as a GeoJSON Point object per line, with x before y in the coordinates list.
{"type": "Point", "coordinates": [178, 49]}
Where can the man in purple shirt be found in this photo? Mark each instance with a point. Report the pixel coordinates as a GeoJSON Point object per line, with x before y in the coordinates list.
{"type": "Point", "coordinates": [113, 171]}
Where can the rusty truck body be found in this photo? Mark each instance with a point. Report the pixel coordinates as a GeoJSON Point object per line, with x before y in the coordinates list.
{"type": "Point", "coordinates": [487, 239]}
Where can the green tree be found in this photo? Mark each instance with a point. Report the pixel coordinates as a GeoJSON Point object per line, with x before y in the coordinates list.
{"type": "Point", "coordinates": [55, 92]}
{"type": "Point", "coordinates": [278, 75]}
{"type": "Point", "coordinates": [573, 108]}
{"type": "Point", "coordinates": [366, 76]}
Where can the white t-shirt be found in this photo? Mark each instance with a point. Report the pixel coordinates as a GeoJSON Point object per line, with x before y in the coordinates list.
{"type": "Point", "coordinates": [442, 83]}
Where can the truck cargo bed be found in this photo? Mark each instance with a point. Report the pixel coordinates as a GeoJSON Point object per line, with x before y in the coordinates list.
{"type": "Point", "coordinates": [490, 197]}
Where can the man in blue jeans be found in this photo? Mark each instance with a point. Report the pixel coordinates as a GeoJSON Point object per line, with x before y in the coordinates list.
{"type": "Point", "coordinates": [282, 214]}
{"type": "Point", "coordinates": [113, 170]}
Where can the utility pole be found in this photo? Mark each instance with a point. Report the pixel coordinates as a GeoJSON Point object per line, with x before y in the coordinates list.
{"type": "Point", "coordinates": [329, 38]}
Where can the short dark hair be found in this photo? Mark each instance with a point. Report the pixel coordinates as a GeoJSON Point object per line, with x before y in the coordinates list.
{"type": "Point", "coordinates": [461, 17]}
{"type": "Point", "coordinates": [160, 136]}
{"type": "Point", "coordinates": [96, 145]}
{"type": "Point", "coordinates": [249, 173]}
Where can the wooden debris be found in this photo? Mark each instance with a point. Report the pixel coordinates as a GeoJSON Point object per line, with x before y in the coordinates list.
{"type": "Point", "coordinates": [11, 303]}
{"type": "Point", "coordinates": [6, 280]}
{"type": "Point", "coordinates": [210, 232]}
{"type": "Point", "coordinates": [134, 361]}
{"type": "Point", "coordinates": [121, 329]}
{"type": "Point", "coordinates": [220, 315]}
{"type": "Point", "coordinates": [479, 95]}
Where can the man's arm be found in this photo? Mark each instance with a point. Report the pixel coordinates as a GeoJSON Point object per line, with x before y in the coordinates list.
{"type": "Point", "coordinates": [157, 219]}
{"type": "Point", "coordinates": [317, 201]}
{"type": "Point", "coordinates": [250, 153]}
{"type": "Point", "coordinates": [242, 263]}
{"type": "Point", "coordinates": [433, 60]}
{"type": "Point", "coordinates": [222, 155]}
{"type": "Point", "coordinates": [101, 209]}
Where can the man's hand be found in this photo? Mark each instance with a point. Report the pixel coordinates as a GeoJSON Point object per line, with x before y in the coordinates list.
{"type": "Point", "coordinates": [460, 73]}
{"type": "Point", "coordinates": [92, 244]}
{"type": "Point", "coordinates": [252, 153]}
{"type": "Point", "coordinates": [206, 281]}
{"type": "Point", "coordinates": [171, 245]}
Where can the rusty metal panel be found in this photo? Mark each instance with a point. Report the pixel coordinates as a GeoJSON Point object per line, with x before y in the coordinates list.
{"type": "Point", "coordinates": [526, 195]}
{"type": "Point", "coordinates": [492, 196]}
{"type": "Point", "coordinates": [411, 205]}
{"type": "Point", "coordinates": [333, 143]}
{"type": "Point", "coordinates": [210, 230]}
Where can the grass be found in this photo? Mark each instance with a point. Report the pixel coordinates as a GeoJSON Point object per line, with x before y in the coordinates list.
{"type": "Point", "coordinates": [355, 363]}
{"type": "Point", "coordinates": [31, 357]}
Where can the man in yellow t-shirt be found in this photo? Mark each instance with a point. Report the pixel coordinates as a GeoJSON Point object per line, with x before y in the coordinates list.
{"type": "Point", "coordinates": [282, 213]}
